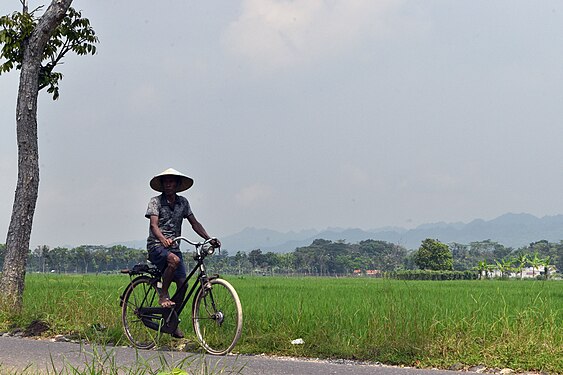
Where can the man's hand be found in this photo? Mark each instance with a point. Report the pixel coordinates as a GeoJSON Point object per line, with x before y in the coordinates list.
{"type": "Point", "coordinates": [167, 242]}
{"type": "Point", "coordinates": [215, 243]}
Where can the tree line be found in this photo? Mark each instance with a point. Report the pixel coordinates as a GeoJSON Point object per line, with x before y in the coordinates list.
{"type": "Point", "coordinates": [81, 259]}
{"type": "Point", "coordinates": [320, 258]}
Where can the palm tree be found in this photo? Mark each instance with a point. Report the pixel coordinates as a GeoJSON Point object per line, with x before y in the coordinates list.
{"type": "Point", "coordinates": [545, 263]}
{"type": "Point", "coordinates": [505, 267]}
{"type": "Point", "coordinates": [535, 262]}
{"type": "Point", "coordinates": [491, 269]}
{"type": "Point", "coordinates": [482, 267]}
{"type": "Point", "coordinates": [521, 261]}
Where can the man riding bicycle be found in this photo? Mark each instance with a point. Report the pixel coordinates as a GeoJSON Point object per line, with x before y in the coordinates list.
{"type": "Point", "coordinates": [166, 213]}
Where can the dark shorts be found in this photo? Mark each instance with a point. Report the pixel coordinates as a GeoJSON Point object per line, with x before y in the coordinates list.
{"type": "Point", "coordinates": [158, 255]}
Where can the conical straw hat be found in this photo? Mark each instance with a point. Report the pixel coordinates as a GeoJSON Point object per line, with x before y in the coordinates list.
{"type": "Point", "coordinates": [185, 182]}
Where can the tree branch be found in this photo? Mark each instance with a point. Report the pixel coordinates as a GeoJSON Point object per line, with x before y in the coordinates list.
{"type": "Point", "coordinates": [24, 6]}
{"type": "Point", "coordinates": [49, 21]}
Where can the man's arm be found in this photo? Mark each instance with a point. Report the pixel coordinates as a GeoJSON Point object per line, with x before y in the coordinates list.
{"type": "Point", "coordinates": [199, 229]}
{"type": "Point", "coordinates": [166, 242]}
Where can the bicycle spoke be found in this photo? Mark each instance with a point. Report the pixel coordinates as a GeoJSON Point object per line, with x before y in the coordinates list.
{"type": "Point", "coordinates": [218, 317]}
{"type": "Point", "coordinates": [141, 294]}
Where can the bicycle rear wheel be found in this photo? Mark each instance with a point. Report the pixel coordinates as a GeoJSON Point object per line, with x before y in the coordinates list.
{"type": "Point", "coordinates": [217, 317]}
{"type": "Point", "coordinates": [140, 293]}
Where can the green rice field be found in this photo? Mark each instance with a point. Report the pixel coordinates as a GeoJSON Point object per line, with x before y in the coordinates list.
{"type": "Point", "coordinates": [494, 323]}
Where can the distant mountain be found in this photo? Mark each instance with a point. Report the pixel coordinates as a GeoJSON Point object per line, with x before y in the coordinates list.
{"type": "Point", "coordinates": [253, 238]}
{"type": "Point", "coordinates": [513, 230]}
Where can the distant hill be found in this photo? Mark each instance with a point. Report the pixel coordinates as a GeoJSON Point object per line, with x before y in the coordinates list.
{"type": "Point", "coordinates": [513, 230]}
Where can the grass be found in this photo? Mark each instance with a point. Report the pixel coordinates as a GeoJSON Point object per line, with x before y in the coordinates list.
{"type": "Point", "coordinates": [513, 323]}
{"type": "Point", "coordinates": [499, 324]}
{"type": "Point", "coordinates": [100, 360]}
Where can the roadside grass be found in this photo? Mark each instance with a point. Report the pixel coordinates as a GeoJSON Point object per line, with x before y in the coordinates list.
{"type": "Point", "coordinates": [509, 323]}
{"type": "Point", "coordinates": [100, 360]}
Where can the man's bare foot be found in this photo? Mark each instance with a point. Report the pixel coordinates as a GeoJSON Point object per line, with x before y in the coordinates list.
{"type": "Point", "coordinates": [165, 301]}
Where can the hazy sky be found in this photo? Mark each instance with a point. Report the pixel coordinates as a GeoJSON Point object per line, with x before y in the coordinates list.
{"type": "Point", "coordinates": [298, 114]}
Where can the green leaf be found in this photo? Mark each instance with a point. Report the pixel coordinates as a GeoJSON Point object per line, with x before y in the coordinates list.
{"type": "Point", "coordinates": [73, 34]}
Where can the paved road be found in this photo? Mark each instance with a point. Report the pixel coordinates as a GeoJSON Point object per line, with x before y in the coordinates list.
{"type": "Point", "coordinates": [42, 355]}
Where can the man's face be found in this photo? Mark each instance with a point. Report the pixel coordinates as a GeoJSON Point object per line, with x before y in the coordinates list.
{"type": "Point", "coordinates": [169, 184]}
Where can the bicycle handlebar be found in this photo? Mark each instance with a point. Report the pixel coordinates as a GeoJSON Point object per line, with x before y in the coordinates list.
{"type": "Point", "coordinates": [198, 244]}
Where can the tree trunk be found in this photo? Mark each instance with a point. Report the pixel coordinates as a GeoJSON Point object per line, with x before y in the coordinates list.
{"type": "Point", "coordinates": [19, 231]}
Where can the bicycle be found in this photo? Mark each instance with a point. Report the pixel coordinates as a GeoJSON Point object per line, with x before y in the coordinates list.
{"type": "Point", "coordinates": [216, 307]}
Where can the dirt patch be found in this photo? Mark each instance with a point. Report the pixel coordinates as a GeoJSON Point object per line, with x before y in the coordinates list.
{"type": "Point", "coordinates": [36, 328]}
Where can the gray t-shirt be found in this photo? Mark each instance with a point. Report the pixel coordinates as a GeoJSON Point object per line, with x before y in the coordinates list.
{"type": "Point", "coordinates": [169, 218]}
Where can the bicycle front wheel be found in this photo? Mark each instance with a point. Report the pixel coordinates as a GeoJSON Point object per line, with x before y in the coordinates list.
{"type": "Point", "coordinates": [140, 293]}
{"type": "Point", "coordinates": [217, 317]}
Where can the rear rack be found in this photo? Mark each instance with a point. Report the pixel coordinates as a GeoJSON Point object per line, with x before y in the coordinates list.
{"type": "Point", "coordinates": [142, 269]}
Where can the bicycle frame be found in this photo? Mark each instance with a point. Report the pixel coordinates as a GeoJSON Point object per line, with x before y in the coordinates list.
{"type": "Point", "coordinates": [202, 277]}
{"type": "Point", "coordinates": [170, 315]}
